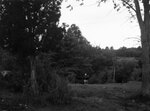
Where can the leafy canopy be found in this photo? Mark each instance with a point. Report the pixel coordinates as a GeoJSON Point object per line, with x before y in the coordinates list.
{"type": "Point", "coordinates": [29, 26]}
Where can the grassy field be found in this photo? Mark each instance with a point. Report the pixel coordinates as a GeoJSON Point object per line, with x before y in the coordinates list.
{"type": "Point", "coordinates": [92, 97]}
{"type": "Point", "coordinates": [105, 97]}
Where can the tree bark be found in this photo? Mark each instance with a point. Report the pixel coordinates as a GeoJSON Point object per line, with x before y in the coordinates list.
{"type": "Point", "coordinates": [144, 25]}
{"type": "Point", "coordinates": [34, 86]}
{"type": "Point", "coordinates": [146, 80]}
{"type": "Point", "coordinates": [145, 37]}
{"type": "Point", "coordinates": [146, 61]}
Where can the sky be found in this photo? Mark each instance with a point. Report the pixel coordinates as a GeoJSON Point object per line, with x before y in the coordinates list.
{"type": "Point", "coordinates": [102, 25]}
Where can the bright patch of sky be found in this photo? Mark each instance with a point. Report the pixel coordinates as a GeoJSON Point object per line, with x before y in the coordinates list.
{"type": "Point", "coordinates": [102, 25]}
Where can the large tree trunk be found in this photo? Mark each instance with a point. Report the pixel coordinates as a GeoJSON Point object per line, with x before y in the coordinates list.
{"type": "Point", "coordinates": [146, 61]}
{"type": "Point", "coordinates": [34, 86]}
{"type": "Point", "coordinates": [145, 38]}
{"type": "Point", "coordinates": [144, 24]}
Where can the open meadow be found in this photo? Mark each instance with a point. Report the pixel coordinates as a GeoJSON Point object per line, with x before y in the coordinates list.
{"type": "Point", "coordinates": [104, 97]}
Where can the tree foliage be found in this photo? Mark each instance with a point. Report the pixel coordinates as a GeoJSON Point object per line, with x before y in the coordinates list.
{"type": "Point", "coordinates": [29, 26]}
{"type": "Point", "coordinates": [74, 55]}
{"type": "Point", "coordinates": [129, 52]}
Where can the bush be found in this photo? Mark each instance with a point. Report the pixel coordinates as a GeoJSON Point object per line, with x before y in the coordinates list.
{"type": "Point", "coordinates": [61, 94]}
{"type": "Point", "coordinates": [71, 77]}
{"type": "Point", "coordinates": [124, 69]}
{"type": "Point", "coordinates": [136, 75]}
{"type": "Point", "coordinates": [93, 80]}
{"type": "Point", "coordinates": [12, 81]}
{"type": "Point", "coordinates": [51, 84]}
{"type": "Point", "coordinates": [52, 89]}
{"type": "Point", "coordinates": [15, 82]}
{"type": "Point", "coordinates": [99, 78]}
{"type": "Point", "coordinates": [55, 88]}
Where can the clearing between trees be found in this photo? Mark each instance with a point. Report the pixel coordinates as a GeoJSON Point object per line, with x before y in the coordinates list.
{"type": "Point", "coordinates": [104, 97]}
{"type": "Point", "coordinates": [88, 97]}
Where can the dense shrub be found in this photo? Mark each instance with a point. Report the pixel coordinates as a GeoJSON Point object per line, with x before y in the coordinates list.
{"type": "Point", "coordinates": [11, 76]}
{"type": "Point", "coordinates": [71, 78]}
{"type": "Point", "coordinates": [52, 90]}
{"type": "Point", "coordinates": [50, 83]}
{"type": "Point", "coordinates": [55, 87]}
{"type": "Point", "coordinates": [136, 75]}
{"type": "Point", "coordinates": [124, 69]}
{"type": "Point", "coordinates": [61, 94]}
{"type": "Point", "coordinates": [101, 77]}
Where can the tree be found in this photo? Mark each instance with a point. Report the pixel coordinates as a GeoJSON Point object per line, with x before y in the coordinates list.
{"type": "Point", "coordinates": [124, 68]}
{"type": "Point", "coordinates": [129, 52]}
{"type": "Point", "coordinates": [141, 9]}
{"type": "Point", "coordinates": [28, 27]}
{"type": "Point", "coordinates": [74, 56]}
{"type": "Point", "coordinates": [143, 17]}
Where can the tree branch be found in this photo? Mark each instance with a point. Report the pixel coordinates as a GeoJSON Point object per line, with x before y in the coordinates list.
{"type": "Point", "coordinates": [127, 3]}
{"type": "Point", "coordinates": [146, 9]}
{"type": "Point", "coordinates": [138, 13]}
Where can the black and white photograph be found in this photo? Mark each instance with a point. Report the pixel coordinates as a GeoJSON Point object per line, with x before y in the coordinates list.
{"type": "Point", "coordinates": [74, 55]}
